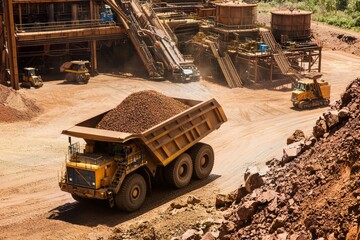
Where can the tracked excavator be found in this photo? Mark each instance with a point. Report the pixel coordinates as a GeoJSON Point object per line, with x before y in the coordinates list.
{"type": "Point", "coordinates": [153, 43]}
{"type": "Point", "coordinates": [311, 92]}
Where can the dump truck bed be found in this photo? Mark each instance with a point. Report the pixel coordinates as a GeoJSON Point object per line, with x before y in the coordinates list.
{"type": "Point", "coordinates": [168, 139]}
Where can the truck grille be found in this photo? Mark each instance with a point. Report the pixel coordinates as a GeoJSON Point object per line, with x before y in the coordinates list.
{"type": "Point", "coordinates": [80, 177]}
{"type": "Point", "coordinates": [294, 97]}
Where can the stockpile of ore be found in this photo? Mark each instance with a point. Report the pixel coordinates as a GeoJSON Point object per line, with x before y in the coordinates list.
{"type": "Point", "coordinates": [141, 111]}
{"type": "Point", "coordinates": [313, 196]}
{"type": "Point", "coordinates": [15, 107]}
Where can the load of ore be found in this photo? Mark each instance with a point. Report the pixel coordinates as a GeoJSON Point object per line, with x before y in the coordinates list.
{"type": "Point", "coordinates": [314, 196]}
{"type": "Point", "coordinates": [15, 107]}
{"type": "Point", "coordinates": [141, 111]}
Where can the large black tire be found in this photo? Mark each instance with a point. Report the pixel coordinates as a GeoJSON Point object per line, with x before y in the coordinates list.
{"type": "Point", "coordinates": [203, 159]}
{"type": "Point", "coordinates": [69, 77]}
{"type": "Point", "coordinates": [132, 193]}
{"type": "Point", "coordinates": [179, 172]}
{"type": "Point", "coordinates": [25, 85]}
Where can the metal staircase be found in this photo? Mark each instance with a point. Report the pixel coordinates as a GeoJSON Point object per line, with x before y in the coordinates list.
{"type": "Point", "coordinates": [134, 30]}
{"type": "Point", "coordinates": [226, 65]}
{"type": "Point", "coordinates": [281, 60]}
{"type": "Point", "coordinates": [115, 184]}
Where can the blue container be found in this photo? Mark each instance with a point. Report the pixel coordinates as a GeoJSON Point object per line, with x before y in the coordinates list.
{"type": "Point", "coordinates": [263, 48]}
{"type": "Point", "coordinates": [110, 17]}
{"type": "Point", "coordinates": [103, 17]}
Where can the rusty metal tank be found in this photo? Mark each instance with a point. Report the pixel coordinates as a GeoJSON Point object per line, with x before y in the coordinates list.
{"type": "Point", "coordinates": [291, 24]}
{"type": "Point", "coordinates": [239, 15]}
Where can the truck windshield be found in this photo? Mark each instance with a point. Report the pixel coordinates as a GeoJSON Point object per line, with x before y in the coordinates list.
{"type": "Point", "coordinates": [301, 87]}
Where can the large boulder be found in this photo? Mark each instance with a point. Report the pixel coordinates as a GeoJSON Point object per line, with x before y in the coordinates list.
{"type": "Point", "coordinates": [191, 234]}
{"type": "Point", "coordinates": [252, 179]}
{"type": "Point", "coordinates": [331, 118]}
{"type": "Point", "coordinates": [247, 210]}
{"type": "Point", "coordinates": [320, 128]}
{"type": "Point", "coordinates": [253, 182]}
{"type": "Point", "coordinates": [223, 200]}
{"type": "Point", "coordinates": [292, 151]}
{"type": "Point", "coordinates": [297, 136]}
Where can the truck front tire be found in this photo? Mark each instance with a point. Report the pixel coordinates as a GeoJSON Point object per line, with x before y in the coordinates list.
{"type": "Point", "coordinates": [203, 159]}
{"type": "Point", "coordinates": [80, 199]}
{"type": "Point", "coordinates": [132, 193]}
{"type": "Point", "coordinates": [179, 172]}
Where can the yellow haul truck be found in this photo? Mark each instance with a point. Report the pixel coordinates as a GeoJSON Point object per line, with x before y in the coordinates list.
{"type": "Point", "coordinates": [119, 167]}
{"type": "Point", "coordinates": [311, 92]}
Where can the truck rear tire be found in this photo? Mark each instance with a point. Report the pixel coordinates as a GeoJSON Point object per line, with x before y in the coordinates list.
{"type": "Point", "coordinates": [203, 160]}
{"type": "Point", "coordinates": [179, 172]}
{"type": "Point", "coordinates": [132, 193]}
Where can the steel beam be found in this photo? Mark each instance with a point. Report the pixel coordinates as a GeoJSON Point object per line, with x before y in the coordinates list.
{"type": "Point", "coordinates": [11, 43]}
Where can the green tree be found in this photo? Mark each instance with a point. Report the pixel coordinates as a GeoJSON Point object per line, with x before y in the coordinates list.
{"type": "Point", "coordinates": [341, 4]}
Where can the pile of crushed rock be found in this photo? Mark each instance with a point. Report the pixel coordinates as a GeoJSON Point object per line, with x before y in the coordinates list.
{"type": "Point", "coordinates": [141, 111]}
{"type": "Point", "coordinates": [15, 107]}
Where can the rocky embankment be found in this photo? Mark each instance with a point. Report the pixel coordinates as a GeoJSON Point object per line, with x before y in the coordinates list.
{"type": "Point", "coordinates": [313, 192]}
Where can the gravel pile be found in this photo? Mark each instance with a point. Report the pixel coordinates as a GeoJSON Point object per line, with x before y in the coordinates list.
{"type": "Point", "coordinates": [15, 107]}
{"type": "Point", "coordinates": [141, 111]}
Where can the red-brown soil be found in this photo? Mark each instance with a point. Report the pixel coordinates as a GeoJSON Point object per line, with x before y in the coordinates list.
{"type": "Point", "coordinates": [16, 107]}
{"type": "Point", "coordinates": [141, 111]}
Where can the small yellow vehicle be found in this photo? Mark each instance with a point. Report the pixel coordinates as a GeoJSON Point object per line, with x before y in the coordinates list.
{"type": "Point", "coordinates": [311, 92]}
{"type": "Point", "coordinates": [30, 79]}
{"type": "Point", "coordinates": [76, 71]}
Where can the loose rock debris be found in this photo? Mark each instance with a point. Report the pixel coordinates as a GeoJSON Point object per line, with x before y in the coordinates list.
{"type": "Point", "coordinates": [314, 196]}
{"type": "Point", "coordinates": [141, 111]}
{"type": "Point", "coordinates": [15, 107]}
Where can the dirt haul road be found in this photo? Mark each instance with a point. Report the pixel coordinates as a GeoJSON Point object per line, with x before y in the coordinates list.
{"type": "Point", "coordinates": [32, 153]}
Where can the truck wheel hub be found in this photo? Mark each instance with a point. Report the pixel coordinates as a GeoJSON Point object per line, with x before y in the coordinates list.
{"type": "Point", "coordinates": [135, 193]}
{"type": "Point", "coordinates": [181, 170]}
{"type": "Point", "coordinates": [203, 161]}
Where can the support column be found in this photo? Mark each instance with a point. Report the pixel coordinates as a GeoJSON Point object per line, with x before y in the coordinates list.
{"type": "Point", "coordinates": [271, 68]}
{"type": "Point", "coordinates": [20, 16]}
{"type": "Point", "coordinates": [93, 57]}
{"type": "Point", "coordinates": [319, 64]}
{"type": "Point", "coordinates": [74, 13]}
{"type": "Point", "coordinates": [91, 9]}
{"type": "Point", "coordinates": [11, 43]}
{"type": "Point", "coordinates": [3, 64]}
{"type": "Point", "coordinates": [51, 13]}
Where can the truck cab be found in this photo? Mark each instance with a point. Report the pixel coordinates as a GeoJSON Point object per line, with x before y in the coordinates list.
{"type": "Point", "coordinates": [93, 172]}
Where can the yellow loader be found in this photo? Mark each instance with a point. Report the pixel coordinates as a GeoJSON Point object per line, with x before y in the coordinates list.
{"type": "Point", "coordinates": [30, 79]}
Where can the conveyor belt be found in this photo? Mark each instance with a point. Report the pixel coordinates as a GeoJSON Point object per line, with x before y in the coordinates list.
{"type": "Point", "coordinates": [227, 66]}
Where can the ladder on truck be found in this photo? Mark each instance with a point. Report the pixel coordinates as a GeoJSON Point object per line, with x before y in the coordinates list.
{"type": "Point", "coordinates": [280, 59]}
{"type": "Point", "coordinates": [226, 65]}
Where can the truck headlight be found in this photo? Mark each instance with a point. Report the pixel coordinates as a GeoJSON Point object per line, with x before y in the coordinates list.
{"type": "Point", "coordinates": [70, 179]}
{"type": "Point", "coordinates": [93, 184]}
